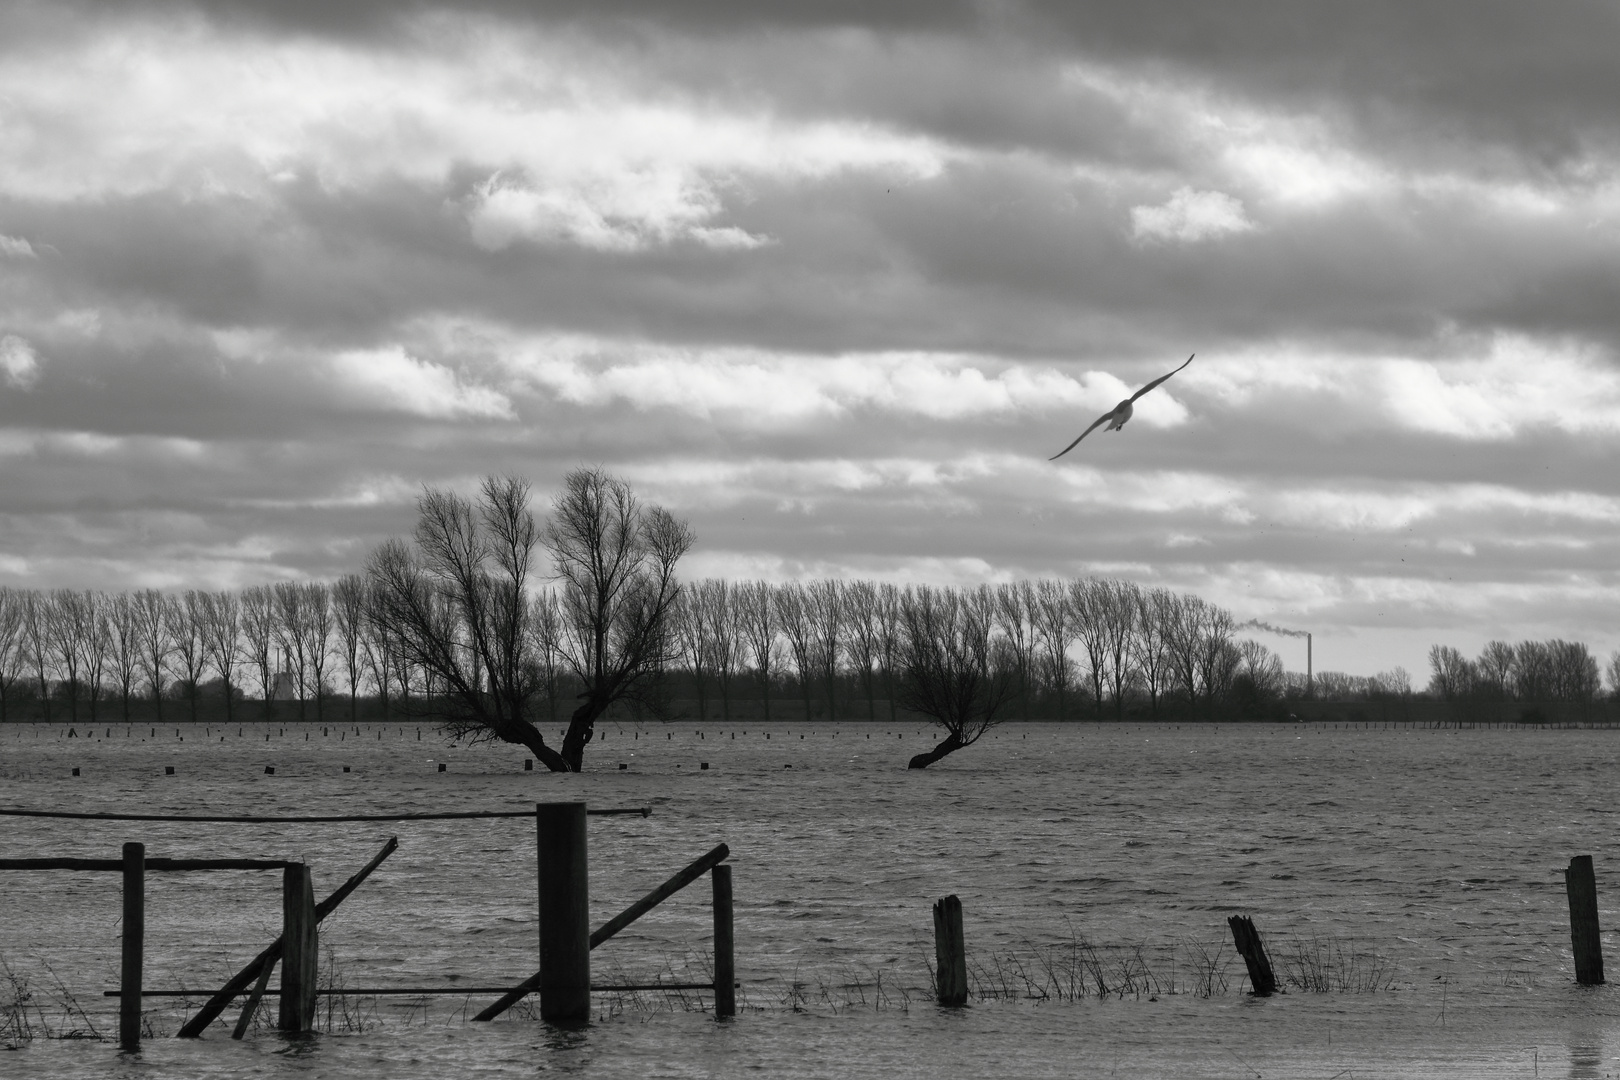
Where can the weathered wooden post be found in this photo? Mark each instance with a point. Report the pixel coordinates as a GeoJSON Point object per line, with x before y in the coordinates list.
{"type": "Point", "coordinates": [1246, 939]}
{"type": "Point", "coordinates": [950, 952]}
{"type": "Point", "coordinates": [565, 929]}
{"type": "Point", "coordinates": [300, 951]}
{"type": "Point", "coordinates": [1580, 881]}
{"type": "Point", "coordinates": [725, 965]}
{"type": "Point", "coordinates": [129, 981]}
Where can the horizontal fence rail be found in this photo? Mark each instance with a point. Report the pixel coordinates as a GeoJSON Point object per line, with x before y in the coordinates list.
{"type": "Point", "coordinates": [263, 819]}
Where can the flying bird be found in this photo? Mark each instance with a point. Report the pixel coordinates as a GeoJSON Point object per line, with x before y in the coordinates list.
{"type": "Point", "coordinates": [1118, 414]}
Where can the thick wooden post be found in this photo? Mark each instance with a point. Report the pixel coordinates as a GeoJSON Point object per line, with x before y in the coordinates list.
{"type": "Point", "coordinates": [565, 928]}
{"type": "Point", "coordinates": [300, 951]}
{"type": "Point", "coordinates": [129, 982]}
{"type": "Point", "coordinates": [950, 952]}
{"type": "Point", "coordinates": [1246, 939]}
{"type": "Point", "coordinates": [1581, 883]}
{"type": "Point", "coordinates": [725, 966]}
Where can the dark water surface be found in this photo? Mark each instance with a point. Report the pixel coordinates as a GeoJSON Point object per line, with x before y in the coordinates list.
{"type": "Point", "coordinates": [1428, 863]}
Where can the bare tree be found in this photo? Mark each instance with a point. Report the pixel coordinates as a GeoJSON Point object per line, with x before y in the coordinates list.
{"type": "Point", "coordinates": [891, 630]}
{"type": "Point", "coordinates": [95, 644]}
{"type": "Point", "coordinates": [1088, 610]}
{"type": "Point", "coordinates": [1155, 610]}
{"type": "Point", "coordinates": [349, 610]}
{"type": "Point", "coordinates": [67, 621]}
{"type": "Point", "coordinates": [956, 673]}
{"type": "Point", "coordinates": [1121, 603]}
{"type": "Point", "coordinates": [292, 636]}
{"type": "Point", "coordinates": [1014, 602]}
{"type": "Point", "coordinates": [545, 622]}
{"type": "Point", "coordinates": [798, 627]}
{"type": "Point", "coordinates": [725, 633]}
{"type": "Point", "coordinates": [36, 640]}
{"type": "Point", "coordinates": [1532, 673]}
{"type": "Point", "coordinates": [125, 647]}
{"type": "Point", "coordinates": [1495, 667]}
{"type": "Point", "coordinates": [1452, 675]}
{"type": "Point", "coordinates": [317, 634]}
{"type": "Point", "coordinates": [1575, 672]}
{"type": "Point", "coordinates": [757, 607]}
{"type": "Point", "coordinates": [152, 622]}
{"type": "Point", "coordinates": [222, 633]}
{"type": "Point", "coordinates": [11, 648]}
{"type": "Point", "coordinates": [826, 608]}
{"type": "Point", "coordinates": [1612, 672]}
{"type": "Point", "coordinates": [188, 620]}
{"type": "Point", "coordinates": [616, 562]}
{"type": "Point", "coordinates": [259, 622]}
{"type": "Point", "coordinates": [1054, 629]}
{"type": "Point", "coordinates": [864, 643]}
{"type": "Point", "coordinates": [457, 605]}
{"type": "Point", "coordinates": [695, 635]}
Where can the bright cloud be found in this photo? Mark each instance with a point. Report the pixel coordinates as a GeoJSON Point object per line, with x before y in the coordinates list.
{"type": "Point", "coordinates": [13, 247]}
{"type": "Point", "coordinates": [392, 379]}
{"type": "Point", "coordinates": [1190, 216]}
{"type": "Point", "coordinates": [19, 363]}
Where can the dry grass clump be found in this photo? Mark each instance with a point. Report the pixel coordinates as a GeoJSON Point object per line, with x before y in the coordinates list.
{"type": "Point", "coordinates": [27, 1013]}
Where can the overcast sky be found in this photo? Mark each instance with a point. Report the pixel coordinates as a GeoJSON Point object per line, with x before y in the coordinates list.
{"type": "Point", "coordinates": [834, 287]}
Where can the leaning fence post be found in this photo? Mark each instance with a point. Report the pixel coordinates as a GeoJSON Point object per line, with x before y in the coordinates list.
{"type": "Point", "coordinates": [950, 952]}
{"type": "Point", "coordinates": [725, 966]}
{"type": "Point", "coordinates": [300, 949]}
{"type": "Point", "coordinates": [129, 982]}
{"type": "Point", "coordinates": [1246, 939]}
{"type": "Point", "coordinates": [565, 928]}
{"type": "Point", "coordinates": [1580, 881]}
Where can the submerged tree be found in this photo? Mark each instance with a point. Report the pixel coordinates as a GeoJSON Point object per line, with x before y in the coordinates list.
{"type": "Point", "coordinates": [615, 559]}
{"type": "Point", "coordinates": [955, 670]}
{"type": "Point", "coordinates": [456, 604]}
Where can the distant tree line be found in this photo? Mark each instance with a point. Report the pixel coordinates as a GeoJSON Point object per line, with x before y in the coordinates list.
{"type": "Point", "coordinates": [1531, 671]}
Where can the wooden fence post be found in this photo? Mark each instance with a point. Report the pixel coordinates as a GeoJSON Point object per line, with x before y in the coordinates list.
{"type": "Point", "coordinates": [1246, 939]}
{"type": "Point", "coordinates": [129, 982]}
{"type": "Point", "coordinates": [565, 928]}
{"type": "Point", "coordinates": [1580, 882]}
{"type": "Point", "coordinates": [950, 951]}
{"type": "Point", "coordinates": [300, 949]}
{"type": "Point", "coordinates": [725, 965]}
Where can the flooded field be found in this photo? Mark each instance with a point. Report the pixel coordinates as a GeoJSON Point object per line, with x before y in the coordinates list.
{"type": "Point", "coordinates": [1416, 874]}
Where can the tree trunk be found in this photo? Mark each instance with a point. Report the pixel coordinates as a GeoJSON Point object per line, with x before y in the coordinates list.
{"type": "Point", "coordinates": [950, 744]}
{"type": "Point", "coordinates": [581, 729]}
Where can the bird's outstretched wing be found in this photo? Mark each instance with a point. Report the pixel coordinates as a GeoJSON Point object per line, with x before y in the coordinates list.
{"type": "Point", "coordinates": [1103, 419]}
{"type": "Point", "coordinates": [1159, 380]}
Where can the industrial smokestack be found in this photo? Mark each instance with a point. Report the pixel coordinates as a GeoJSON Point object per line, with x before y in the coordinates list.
{"type": "Point", "coordinates": [1308, 690]}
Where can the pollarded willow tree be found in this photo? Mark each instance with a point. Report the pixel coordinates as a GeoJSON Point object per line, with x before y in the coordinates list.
{"type": "Point", "coordinates": [456, 604]}
{"type": "Point", "coordinates": [955, 668]}
{"type": "Point", "coordinates": [615, 560]}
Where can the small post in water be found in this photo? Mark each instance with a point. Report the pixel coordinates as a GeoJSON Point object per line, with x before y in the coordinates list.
{"type": "Point", "coordinates": [950, 951]}
{"type": "Point", "coordinates": [565, 928]}
{"type": "Point", "coordinates": [129, 982]}
{"type": "Point", "coordinates": [725, 965]}
{"type": "Point", "coordinates": [1246, 939]}
{"type": "Point", "coordinates": [300, 949]}
{"type": "Point", "coordinates": [1580, 881]}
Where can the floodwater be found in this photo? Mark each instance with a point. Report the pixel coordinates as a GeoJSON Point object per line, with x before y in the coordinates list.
{"type": "Point", "coordinates": [1425, 866]}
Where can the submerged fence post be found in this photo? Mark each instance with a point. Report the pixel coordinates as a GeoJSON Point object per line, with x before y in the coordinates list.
{"type": "Point", "coordinates": [565, 929]}
{"type": "Point", "coordinates": [950, 951]}
{"type": "Point", "coordinates": [725, 965]}
{"type": "Point", "coordinates": [1580, 881]}
{"type": "Point", "coordinates": [1246, 939]}
{"type": "Point", "coordinates": [129, 981]}
{"type": "Point", "coordinates": [300, 949]}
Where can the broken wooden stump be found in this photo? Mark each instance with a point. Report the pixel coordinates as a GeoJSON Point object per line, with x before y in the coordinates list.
{"type": "Point", "coordinates": [1580, 882]}
{"type": "Point", "coordinates": [1246, 939]}
{"type": "Point", "coordinates": [950, 951]}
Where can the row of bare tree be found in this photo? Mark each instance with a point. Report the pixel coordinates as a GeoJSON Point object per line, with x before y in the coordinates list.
{"type": "Point", "coordinates": [1529, 671]}
{"type": "Point", "coordinates": [1104, 642]}
{"type": "Point", "coordinates": [85, 648]}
